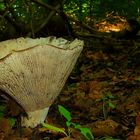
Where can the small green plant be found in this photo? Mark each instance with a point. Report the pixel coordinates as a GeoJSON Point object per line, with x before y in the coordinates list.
{"type": "Point", "coordinates": [67, 115]}
{"type": "Point", "coordinates": [107, 104]}
{"type": "Point", "coordinates": [85, 131]}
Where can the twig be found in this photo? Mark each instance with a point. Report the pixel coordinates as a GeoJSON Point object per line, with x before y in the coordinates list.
{"type": "Point", "coordinates": [59, 12]}
{"type": "Point", "coordinates": [54, 10]}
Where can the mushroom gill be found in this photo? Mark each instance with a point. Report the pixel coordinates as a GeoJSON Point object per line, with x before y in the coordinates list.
{"type": "Point", "coordinates": [33, 72]}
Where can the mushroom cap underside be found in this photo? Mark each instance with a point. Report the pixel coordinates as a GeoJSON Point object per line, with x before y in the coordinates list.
{"type": "Point", "coordinates": [35, 73]}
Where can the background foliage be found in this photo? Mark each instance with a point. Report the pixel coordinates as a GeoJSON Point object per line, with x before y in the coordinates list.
{"type": "Point", "coordinates": [26, 17]}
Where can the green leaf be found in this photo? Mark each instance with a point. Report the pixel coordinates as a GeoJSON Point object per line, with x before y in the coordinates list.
{"type": "Point", "coordinates": [138, 78]}
{"type": "Point", "coordinates": [111, 105]}
{"type": "Point", "coordinates": [2, 108]}
{"type": "Point", "coordinates": [68, 123]}
{"type": "Point", "coordinates": [54, 128]}
{"type": "Point", "coordinates": [1, 115]}
{"type": "Point", "coordinates": [12, 121]}
{"type": "Point", "coordinates": [77, 126]}
{"type": "Point", "coordinates": [109, 95]}
{"type": "Point", "coordinates": [87, 133]}
{"type": "Point", "coordinates": [64, 112]}
{"type": "Point", "coordinates": [2, 6]}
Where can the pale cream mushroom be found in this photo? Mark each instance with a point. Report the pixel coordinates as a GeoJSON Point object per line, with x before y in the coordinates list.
{"type": "Point", "coordinates": [34, 71]}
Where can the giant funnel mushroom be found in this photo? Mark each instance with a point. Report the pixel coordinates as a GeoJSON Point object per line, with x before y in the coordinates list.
{"type": "Point", "coordinates": [33, 72]}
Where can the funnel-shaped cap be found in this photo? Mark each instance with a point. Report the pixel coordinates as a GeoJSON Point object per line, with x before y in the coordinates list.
{"type": "Point", "coordinates": [33, 72]}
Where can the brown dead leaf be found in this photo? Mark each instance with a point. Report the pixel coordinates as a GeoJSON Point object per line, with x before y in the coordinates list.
{"type": "Point", "coordinates": [67, 138]}
{"type": "Point", "coordinates": [77, 135]}
{"type": "Point", "coordinates": [138, 137]}
{"type": "Point", "coordinates": [5, 126]}
{"type": "Point", "coordinates": [138, 119]}
{"type": "Point", "coordinates": [13, 108]}
{"type": "Point", "coordinates": [107, 127]}
{"type": "Point", "coordinates": [132, 137]}
{"type": "Point", "coordinates": [25, 139]}
{"type": "Point", "coordinates": [137, 131]}
{"type": "Point", "coordinates": [115, 78]}
{"type": "Point", "coordinates": [83, 103]}
{"type": "Point", "coordinates": [83, 86]}
{"type": "Point", "coordinates": [95, 91]}
{"type": "Point", "coordinates": [5, 129]}
{"type": "Point", "coordinates": [26, 132]}
{"type": "Point", "coordinates": [103, 74]}
{"type": "Point", "coordinates": [1, 136]}
{"type": "Point", "coordinates": [97, 55]}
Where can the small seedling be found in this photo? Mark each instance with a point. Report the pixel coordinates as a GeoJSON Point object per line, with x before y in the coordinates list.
{"type": "Point", "coordinates": [67, 115]}
{"type": "Point", "coordinates": [83, 130]}
{"type": "Point", "coordinates": [107, 104]}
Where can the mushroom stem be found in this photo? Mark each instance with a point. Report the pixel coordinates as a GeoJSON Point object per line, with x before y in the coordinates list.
{"type": "Point", "coordinates": [34, 117]}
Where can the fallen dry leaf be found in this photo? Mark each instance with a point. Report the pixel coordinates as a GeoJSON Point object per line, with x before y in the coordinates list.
{"type": "Point", "coordinates": [138, 119]}
{"type": "Point", "coordinates": [107, 127]}
{"type": "Point", "coordinates": [95, 91]}
{"type": "Point", "coordinates": [5, 128]}
{"type": "Point", "coordinates": [67, 138]}
{"type": "Point", "coordinates": [13, 108]}
{"type": "Point", "coordinates": [97, 55]}
{"type": "Point", "coordinates": [132, 137]}
{"type": "Point", "coordinates": [137, 131]}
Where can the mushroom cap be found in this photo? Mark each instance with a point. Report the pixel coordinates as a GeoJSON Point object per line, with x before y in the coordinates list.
{"type": "Point", "coordinates": [33, 71]}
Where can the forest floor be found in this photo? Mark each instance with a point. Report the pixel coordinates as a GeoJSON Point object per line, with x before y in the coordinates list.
{"type": "Point", "coordinates": [102, 93]}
